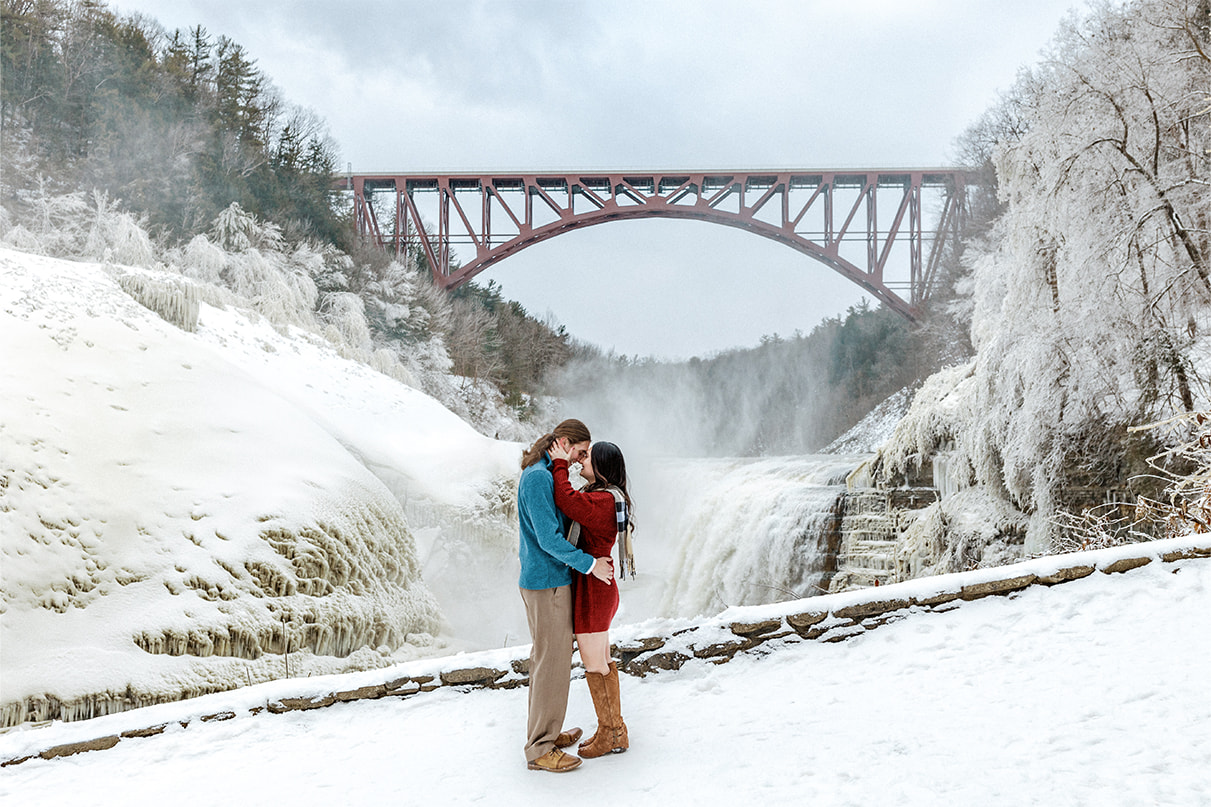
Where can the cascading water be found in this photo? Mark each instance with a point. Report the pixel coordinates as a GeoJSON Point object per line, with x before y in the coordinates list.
{"type": "Point", "coordinates": [747, 532]}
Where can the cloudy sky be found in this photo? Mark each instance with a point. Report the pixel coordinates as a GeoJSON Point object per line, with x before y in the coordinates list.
{"type": "Point", "coordinates": [642, 84]}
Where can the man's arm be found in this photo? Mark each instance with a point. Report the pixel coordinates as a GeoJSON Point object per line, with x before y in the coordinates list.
{"type": "Point", "coordinates": [539, 493]}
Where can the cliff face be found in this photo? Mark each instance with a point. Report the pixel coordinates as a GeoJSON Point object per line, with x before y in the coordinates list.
{"type": "Point", "coordinates": [930, 523]}
{"type": "Point", "coordinates": [917, 507]}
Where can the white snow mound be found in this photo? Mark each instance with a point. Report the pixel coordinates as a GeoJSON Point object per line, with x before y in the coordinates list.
{"type": "Point", "coordinates": [183, 513]}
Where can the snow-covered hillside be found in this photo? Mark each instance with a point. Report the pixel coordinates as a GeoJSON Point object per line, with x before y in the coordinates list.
{"type": "Point", "coordinates": [178, 510]}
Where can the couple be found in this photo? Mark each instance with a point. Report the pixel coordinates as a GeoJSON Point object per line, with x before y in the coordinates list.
{"type": "Point", "coordinates": [570, 589]}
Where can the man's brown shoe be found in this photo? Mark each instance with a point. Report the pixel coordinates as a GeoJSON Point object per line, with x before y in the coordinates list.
{"type": "Point", "coordinates": [555, 761]}
{"type": "Point", "coordinates": [568, 737]}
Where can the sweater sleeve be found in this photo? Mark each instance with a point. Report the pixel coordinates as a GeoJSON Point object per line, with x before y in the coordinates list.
{"type": "Point", "coordinates": [547, 525]}
{"type": "Point", "coordinates": [585, 508]}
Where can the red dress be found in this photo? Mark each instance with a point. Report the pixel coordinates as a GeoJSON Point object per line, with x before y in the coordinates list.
{"type": "Point", "coordinates": [594, 603]}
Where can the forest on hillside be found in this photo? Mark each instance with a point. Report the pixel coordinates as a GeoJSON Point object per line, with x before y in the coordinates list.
{"type": "Point", "coordinates": [177, 125]}
{"type": "Point", "coordinates": [787, 395]}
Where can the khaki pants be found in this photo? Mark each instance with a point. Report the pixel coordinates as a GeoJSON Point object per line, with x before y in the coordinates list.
{"type": "Point", "coordinates": [549, 613]}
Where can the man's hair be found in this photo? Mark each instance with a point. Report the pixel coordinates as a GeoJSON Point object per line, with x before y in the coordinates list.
{"type": "Point", "coordinates": [573, 429]}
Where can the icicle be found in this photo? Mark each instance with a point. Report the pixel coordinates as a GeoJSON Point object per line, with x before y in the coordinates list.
{"type": "Point", "coordinates": [175, 299]}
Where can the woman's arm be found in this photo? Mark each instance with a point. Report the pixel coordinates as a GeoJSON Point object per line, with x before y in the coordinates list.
{"type": "Point", "coordinates": [603, 568]}
{"type": "Point", "coordinates": [587, 508]}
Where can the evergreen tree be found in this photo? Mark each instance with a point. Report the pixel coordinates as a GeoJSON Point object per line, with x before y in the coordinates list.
{"type": "Point", "coordinates": [178, 126]}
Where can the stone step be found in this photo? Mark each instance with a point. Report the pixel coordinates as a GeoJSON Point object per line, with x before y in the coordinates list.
{"type": "Point", "coordinates": [880, 547]}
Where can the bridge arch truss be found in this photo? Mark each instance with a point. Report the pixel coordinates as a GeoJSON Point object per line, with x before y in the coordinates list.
{"type": "Point", "coordinates": [883, 229]}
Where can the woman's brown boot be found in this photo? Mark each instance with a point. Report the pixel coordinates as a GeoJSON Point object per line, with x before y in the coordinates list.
{"type": "Point", "coordinates": [611, 735]}
{"type": "Point", "coordinates": [599, 743]}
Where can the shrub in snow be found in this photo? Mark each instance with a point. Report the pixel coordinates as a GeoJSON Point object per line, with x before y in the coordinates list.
{"type": "Point", "coordinates": [22, 239]}
{"type": "Point", "coordinates": [931, 422]}
{"type": "Point", "coordinates": [388, 364]}
{"type": "Point", "coordinates": [1098, 527]}
{"type": "Point", "coordinates": [401, 306]}
{"type": "Point", "coordinates": [236, 230]}
{"type": "Point", "coordinates": [327, 266]}
{"type": "Point", "coordinates": [967, 530]}
{"type": "Point", "coordinates": [1186, 465]}
{"type": "Point", "coordinates": [346, 312]}
{"type": "Point", "coordinates": [202, 260]}
{"type": "Point", "coordinates": [55, 219]}
{"type": "Point", "coordinates": [284, 296]}
{"type": "Point", "coordinates": [116, 236]}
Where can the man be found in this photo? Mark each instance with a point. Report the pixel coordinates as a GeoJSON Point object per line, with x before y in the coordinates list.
{"type": "Point", "coordinates": [546, 589]}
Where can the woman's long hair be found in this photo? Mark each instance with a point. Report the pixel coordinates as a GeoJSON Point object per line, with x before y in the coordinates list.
{"type": "Point", "coordinates": [610, 468]}
{"type": "Point", "coordinates": [573, 429]}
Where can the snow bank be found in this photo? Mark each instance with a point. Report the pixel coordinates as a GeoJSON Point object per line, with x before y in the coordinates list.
{"type": "Point", "coordinates": [182, 513]}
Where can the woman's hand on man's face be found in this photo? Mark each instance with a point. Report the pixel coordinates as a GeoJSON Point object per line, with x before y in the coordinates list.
{"type": "Point", "coordinates": [559, 449]}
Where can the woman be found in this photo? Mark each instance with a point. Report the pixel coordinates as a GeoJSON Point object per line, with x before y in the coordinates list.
{"type": "Point", "coordinates": [594, 602]}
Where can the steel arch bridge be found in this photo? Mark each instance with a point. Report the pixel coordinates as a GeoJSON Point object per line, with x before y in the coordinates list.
{"type": "Point", "coordinates": [868, 225]}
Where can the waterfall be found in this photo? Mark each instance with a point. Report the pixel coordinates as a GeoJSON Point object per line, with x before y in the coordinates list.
{"type": "Point", "coordinates": [747, 532]}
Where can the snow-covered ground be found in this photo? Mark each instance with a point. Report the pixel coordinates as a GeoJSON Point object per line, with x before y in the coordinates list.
{"type": "Point", "coordinates": [1089, 693]}
{"type": "Point", "coordinates": [875, 429]}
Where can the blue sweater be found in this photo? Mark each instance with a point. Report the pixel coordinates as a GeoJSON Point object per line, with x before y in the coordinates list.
{"type": "Point", "coordinates": [545, 552]}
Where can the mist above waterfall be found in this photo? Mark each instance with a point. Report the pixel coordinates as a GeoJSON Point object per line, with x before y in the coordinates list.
{"type": "Point", "coordinates": [785, 396]}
